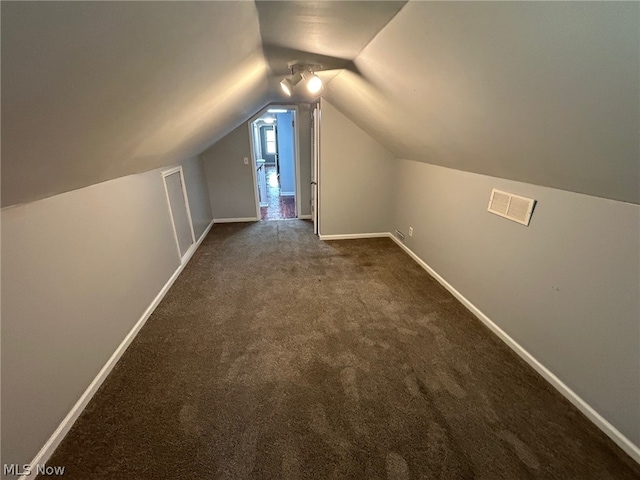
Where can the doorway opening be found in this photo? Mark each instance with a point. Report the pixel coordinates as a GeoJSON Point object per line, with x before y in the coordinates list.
{"type": "Point", "coordinates": [275, 158]}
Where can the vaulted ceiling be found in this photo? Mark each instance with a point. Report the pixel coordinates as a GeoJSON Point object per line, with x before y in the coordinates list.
{"type": "Point", "coordinates": [540, 92]}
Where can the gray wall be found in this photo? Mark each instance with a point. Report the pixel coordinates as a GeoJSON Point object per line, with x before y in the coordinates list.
{"type": "Point", "coordinates": [198, 193]}
{"type": "Point", "coordinates": [78, 271]}
{"type": "Point", "coordinates": [540, 92]}
{"type": "Point", "coordinates": [565, 288]}
{"type": "Point", "coordinates": [355, 178]}
{"type": "Point", "coordinates": [230, 181]}
{"type": "Point", "coordinates": [115, 92]}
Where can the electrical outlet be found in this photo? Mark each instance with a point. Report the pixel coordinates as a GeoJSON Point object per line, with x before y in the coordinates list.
{"type": "Point", "coordinates": [411, 231]}
{"type": "Point", "coordinates": [246, 160]}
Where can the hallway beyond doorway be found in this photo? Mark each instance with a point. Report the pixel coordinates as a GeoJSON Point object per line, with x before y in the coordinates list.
{"type": "Point", "coordinates": [273, 137]}
{"type": "Point", "coordinates": [278, 208]}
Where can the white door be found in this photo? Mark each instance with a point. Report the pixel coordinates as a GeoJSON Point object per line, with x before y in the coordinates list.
{"type": "Point", "coordinates": [179, 210]}
{"type": "Point", "coordinates": [315, 167]}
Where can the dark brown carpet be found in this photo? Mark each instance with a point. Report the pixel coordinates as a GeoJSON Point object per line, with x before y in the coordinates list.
{"type": "Point", "coordinates": [278, 356]}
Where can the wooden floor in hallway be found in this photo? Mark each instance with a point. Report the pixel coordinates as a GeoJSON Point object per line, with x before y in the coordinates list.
{"type": "Point", "coordinates": [279, 208]}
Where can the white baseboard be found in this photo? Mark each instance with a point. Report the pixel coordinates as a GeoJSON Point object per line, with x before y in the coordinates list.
{"type": "Point", "coordinates": [235, 220]}
{"type": "Point", "coordinates": [612, 432]}
{"type": "Point", "coordinates": [49, 447]}
{"type": "Point", "coordinates": [352, 236]}
{"type": "Point", "coordinates": [304, 217]}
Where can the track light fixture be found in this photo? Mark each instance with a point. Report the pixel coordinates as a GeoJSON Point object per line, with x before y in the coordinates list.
{"type": "Point", "coordinates": [302, 72]}
{"type": "Point", "coordinates": [288, 84]}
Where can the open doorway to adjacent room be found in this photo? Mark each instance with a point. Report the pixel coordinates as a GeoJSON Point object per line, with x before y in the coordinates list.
{"type": "Point", "coordinates": [275, 158]}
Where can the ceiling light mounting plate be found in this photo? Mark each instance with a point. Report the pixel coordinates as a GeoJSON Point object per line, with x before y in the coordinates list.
{"type": "Point", "coordinates": [297, 66]}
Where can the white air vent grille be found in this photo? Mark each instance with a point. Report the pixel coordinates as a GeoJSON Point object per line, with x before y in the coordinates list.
{"type": "Point", "coordinates": [499, 202]}
{"type": "Point", "coordinates": [513, 207]}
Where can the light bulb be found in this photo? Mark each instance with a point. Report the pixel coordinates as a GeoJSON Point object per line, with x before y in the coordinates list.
{"type": "Point", "coordinates": [314, 85]}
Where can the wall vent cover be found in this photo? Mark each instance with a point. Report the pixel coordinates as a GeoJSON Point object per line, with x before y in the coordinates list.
{"type": "Point", "coordinates": [513, 207]}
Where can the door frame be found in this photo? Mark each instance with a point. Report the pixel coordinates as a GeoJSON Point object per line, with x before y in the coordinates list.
{"type": "Point", "coordinates": [296, 148]}
{"type": "Point", "coordinates": [316, 113]}
{"type": "Point", "coordinates": [165, 174]}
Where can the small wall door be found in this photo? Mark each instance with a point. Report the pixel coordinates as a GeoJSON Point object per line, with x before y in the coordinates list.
{"type": "Point", "coordinates": [179, 210]}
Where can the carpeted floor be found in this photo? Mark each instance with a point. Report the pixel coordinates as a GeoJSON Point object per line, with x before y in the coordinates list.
{"type": "Point", "coordinates": [278, 356]}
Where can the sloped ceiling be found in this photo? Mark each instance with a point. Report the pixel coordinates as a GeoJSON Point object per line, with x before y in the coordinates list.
{"type": "Point", "coordinates": [95, 90]}
{"type": "Point", "coordinates": [541, 92]}
{"type": "Point", "coordinates": [328, 33]}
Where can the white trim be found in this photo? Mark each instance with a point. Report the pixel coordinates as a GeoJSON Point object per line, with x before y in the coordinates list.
{"type": "Point", "coordinates": [296, 164]}
{"type": "Point", "coordinates": [612, 432]}
{"type": "Point", "coordinates": [171, 171]}
{"type": "Point", "coordinates": [183, 185]}
{"type": "Point", "coordinates": [315, 170]}
{"type": "Point", "coordinates": [58, 435]}
{"type": "Point", "coordinates": [305, 217]}
{"type": "Point", "coordinates": [252, 163]}
{"type": "Point", "coordinates": [236, 220]}
{"type": "Point", "coordinates": [318, 170]}
{"type": "Point", "coordinates": [186, 204]}
{"type": "Point", "coordinates": [173, 223]}
{"type": "Point", "coordinates": [353, 236]}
